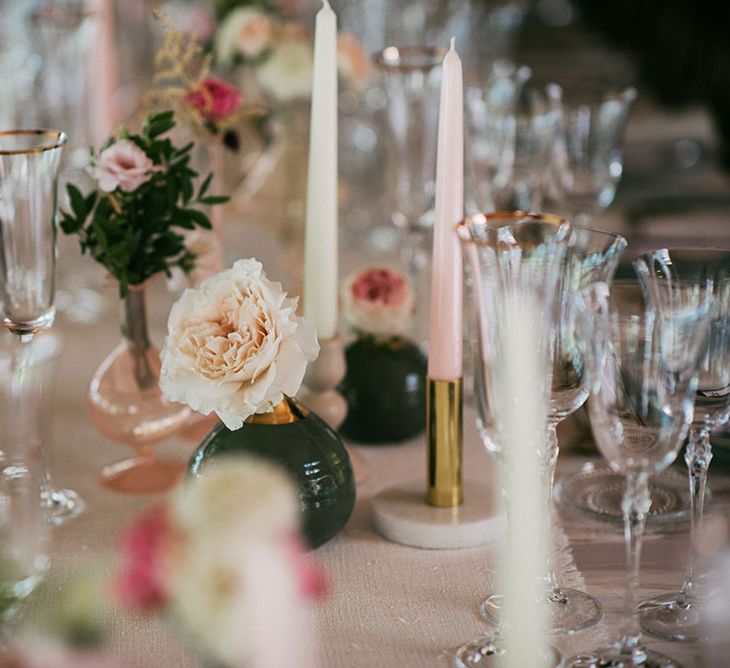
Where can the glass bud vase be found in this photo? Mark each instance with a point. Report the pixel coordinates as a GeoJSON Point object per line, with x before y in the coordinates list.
{"type": "Point", "coordinates": [385, 390]}
{"type": "Point", "coordinates": [312, 453]}
{"type": "Point", "coordinates": [126, 405]}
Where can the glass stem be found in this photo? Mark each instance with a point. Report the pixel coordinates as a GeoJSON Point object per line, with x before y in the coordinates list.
{"type": "Point", "coordinates": [551, 460]}
{"type": "Point", "coordinates": [134, 330]}
{"type": "Point", "coordinates": [635, 506]}
{"type": "Point", "coordinates": [414, 256]}
{"type": "Point", "coordinates": [697, 456]}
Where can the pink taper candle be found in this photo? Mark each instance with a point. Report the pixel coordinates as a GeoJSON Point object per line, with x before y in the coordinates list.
{"type": "Point", "coordinates": [445, 332]}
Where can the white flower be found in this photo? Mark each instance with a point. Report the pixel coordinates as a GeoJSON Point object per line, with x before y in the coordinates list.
{"type": "Point", "coordinates": [287, 73]}
{"type": "Point", "coordinates": [234, 580]}
{"type": "Point", "coordinates": [247, 31]}
{"type": "Point", "coordinates": [124, 165]}
{"type": "Point", "coordinates": [378, 301]}
{"type": "Point", "coordinates": [235, 346]}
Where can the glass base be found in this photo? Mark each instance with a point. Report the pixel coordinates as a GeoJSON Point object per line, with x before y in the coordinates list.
{"type": "Point", "coordinates": [486, 651]}
{"type": "Point", "coordinates": [143, 475]}
{"type": "Point", "coordinates": [672, 617]}
{"type": "Point", "coordinates": [598, 492]}
{"type": "Point", "coordinates": [63, 505]}
{"type": "Point", "coordinates": [570, 611]}
{"type": "Point", "coordinates": [611, 657]}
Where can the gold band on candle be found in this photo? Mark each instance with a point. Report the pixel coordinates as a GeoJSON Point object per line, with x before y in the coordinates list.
{"type": "Point", "coordinates": [444, 432]}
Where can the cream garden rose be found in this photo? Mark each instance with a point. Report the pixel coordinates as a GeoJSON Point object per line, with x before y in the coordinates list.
{"type": "Point", "coordinates": [247, 31]}
{"type": "Point", "coordinates": [287, 73]}
{"type": "Point", "coordinates": [235, 346]}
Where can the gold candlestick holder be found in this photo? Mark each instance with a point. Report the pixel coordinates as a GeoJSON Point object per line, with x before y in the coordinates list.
{"type": "Point", "coordinates": [452, 513]}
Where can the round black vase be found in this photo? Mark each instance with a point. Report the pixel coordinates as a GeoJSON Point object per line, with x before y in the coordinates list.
{"type": "Point", "coordinates": [385, 390]}
{"type": "Point", "coordinates": [305, 446]}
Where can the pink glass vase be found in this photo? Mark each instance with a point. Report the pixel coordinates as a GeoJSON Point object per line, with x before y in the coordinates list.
{"type": "Point", "coordinates": [127, 405]}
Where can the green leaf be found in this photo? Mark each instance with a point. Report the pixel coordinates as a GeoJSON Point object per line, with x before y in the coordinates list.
{"type": "Point", "coordinates": [212, 200]}
{"type": "Point", "coordinates": [198, 217]}
{"type": "Point", "coordinates": [78, 203]}
{"type": "Point", "coordinates": [204, 186]}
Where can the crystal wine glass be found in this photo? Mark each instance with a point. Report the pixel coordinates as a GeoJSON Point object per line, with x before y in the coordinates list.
{"type": "Point", "coordinates": [676, 279]}
{"type": "Point", "coordinates": [522, 256]}
{"type": "Point", "coordinates": [412, 79]}
{"type": "Point", "coordinates": [586, 159]}
{"type": "Point", "coordinates": [642, 373]}
{"type": "Point", "coordinates": [593, 255]}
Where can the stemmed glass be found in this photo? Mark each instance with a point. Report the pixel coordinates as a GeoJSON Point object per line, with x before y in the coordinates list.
{"type": "Point", "coordinates": [412, 80]}
{"type": "Point", "coordinates": [586, 160]}
{"type": "Point", "coordinates": [29, 163]}
{"type": "Point", "coordinates": [522, 256]}
{"type": "Point", "coordinates": [642, 373]}
{"type": "Point", "coordinates": [676, 279]}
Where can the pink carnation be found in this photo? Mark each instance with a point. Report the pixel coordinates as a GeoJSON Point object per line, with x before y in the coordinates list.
{"type": "Point", "coordinates": [123, 165]}
{"type": "Point", "coordinates": [142, 583]}
{"type": "Point", "coordinates": [215, 99]}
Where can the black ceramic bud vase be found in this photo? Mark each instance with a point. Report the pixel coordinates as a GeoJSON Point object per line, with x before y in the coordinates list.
{"type": "Point", "coordinates": [385, 390]}
{"type": "Point", "coordinates": [304, 445]}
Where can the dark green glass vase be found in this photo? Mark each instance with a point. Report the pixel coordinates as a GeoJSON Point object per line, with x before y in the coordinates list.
{"type": "Point", "coordinates": [385, 390]}
{"type": "Point", "coordinates": [305, 446]}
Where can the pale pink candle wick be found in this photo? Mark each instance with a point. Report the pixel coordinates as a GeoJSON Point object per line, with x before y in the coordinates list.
{"type": "Point", "coordinates": [446, 331]}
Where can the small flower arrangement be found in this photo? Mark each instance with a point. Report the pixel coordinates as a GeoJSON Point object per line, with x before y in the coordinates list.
{"type": "Point", "coordinates": [385, 382]}
{"type": "Point", "coordinates": [235, 346]}
{"type": "Point", "coordinates": [225, 559]}
{"type": "Point", "coordinates": [378, 302]}
{"type": "Point", "coordinates": [133, 222]}
{"type": "Point", "coordinates": [255, 37]}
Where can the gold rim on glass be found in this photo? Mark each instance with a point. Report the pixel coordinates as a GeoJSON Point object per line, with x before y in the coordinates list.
{"type": "Point", "coordinates": [57, 139]}
{"type": "Point", "coordinates": [409, 57]}
{"type": "Point", "coordinates": [505, 218]}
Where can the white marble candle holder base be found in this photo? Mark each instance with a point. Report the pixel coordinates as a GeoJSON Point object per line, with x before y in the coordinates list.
{"type": "Point", "coordinates": [402, 515]}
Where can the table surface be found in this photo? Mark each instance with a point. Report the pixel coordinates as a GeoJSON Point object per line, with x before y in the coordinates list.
{"type": "Point", "coordinates": [391, 605]}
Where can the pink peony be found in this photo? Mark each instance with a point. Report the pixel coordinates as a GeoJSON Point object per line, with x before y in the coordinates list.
{"type": "Point", "coordinates": [215, 99]}
{"type": "Point", "coordinates": [142, 583]}
{"type": "Point", "coordinates": [123, 165]}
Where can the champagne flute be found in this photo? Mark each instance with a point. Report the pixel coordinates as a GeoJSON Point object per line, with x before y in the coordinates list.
{"type": "Point", "coordinates": [642, 373]}
{"type": "Point", "coordinates": [676, 279]}
{"type": "Point", "coordinates": [29, 164]}
{"type": "Point", "coordinates": [517, 254]}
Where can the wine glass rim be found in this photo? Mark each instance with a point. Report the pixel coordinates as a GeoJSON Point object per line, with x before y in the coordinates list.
{"type": "Point", "coordinates": [57, 139]}
{"type": "Point", "coordinates": [595, 230]}
{"type": "Point", "coordinates": [409, 57]}
{"type": "Point", "coordinates": [669, 249]}
{"type": "Point", "coordinates": [506, 218]}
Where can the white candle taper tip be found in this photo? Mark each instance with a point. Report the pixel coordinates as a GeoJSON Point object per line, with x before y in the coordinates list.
{"type": "Point", "coordinates": [453, 42]}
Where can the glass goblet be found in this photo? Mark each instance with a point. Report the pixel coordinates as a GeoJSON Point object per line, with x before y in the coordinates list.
{"type": "Point", "coordinates": [524, 257]}
{"type": "Point", "coordinates": [642, 372]}
{"type": "Point", "coordinates": [676, 279]}
{"type": "Point", "coordinates": [411, 79]}
{"type": "Point", "coordinates": [586, 158]}
{"type": "Point", "coordinates": [593, 255]}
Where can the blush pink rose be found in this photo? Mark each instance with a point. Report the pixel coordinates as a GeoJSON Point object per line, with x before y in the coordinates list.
{"type": "Point", "coordinates": [379, 302]}
{"type": "Point", "coordinates": [215, 99]}
{"type": "Point", "coordinates": [123, 165]}
{"type": "Point", "coordinates": [142, 583]}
